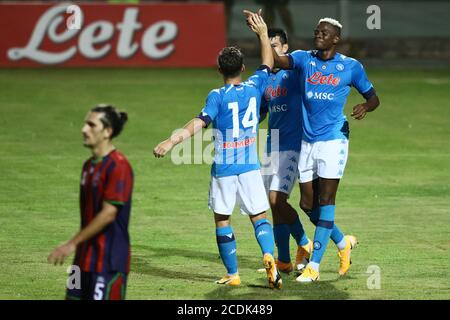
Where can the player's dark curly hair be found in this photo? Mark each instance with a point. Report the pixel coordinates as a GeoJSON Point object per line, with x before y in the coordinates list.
{"type": "Point", "coordinates": [112, 118]}
{"type": "Point", "coordinates": [273, 32]}
{"type": "Point", "coordinates": [230, 61]}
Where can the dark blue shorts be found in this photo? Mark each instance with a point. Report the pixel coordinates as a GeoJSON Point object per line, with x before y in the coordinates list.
{"type": "Point", "coordinates": [99, 286]}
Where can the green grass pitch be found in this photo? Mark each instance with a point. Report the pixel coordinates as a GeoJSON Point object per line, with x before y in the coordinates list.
{"type": "Point", "coordinates": [395, 195]}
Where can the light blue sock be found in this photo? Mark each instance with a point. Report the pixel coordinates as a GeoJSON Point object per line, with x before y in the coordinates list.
{"type": "Point", "coordinates": [264, 235]}
{"type": "Point", "coordinates": [282, 235]}
{"type": "Point", "coordinates": [298, 232]}
{"type": "Point", "coordinates": [227, 248]}
{"type": "Point", "coordinates": [336, 235]}
{"type": "Point", "coordinates": [323, 232]}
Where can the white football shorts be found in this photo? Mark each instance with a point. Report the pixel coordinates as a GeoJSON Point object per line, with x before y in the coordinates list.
{"type": "Point", "coordinates": [247, 189]}
{"type": "Point", "coordinates": [280, 171]}
{"type": "Point", "coordinates": [324, 159]}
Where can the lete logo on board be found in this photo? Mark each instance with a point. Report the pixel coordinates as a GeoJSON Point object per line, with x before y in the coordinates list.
{"type": "Point", "coordinates": [114, 35]}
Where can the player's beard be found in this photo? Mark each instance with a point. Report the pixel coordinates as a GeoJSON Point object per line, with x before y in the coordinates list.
{"type": "Point", "coordinates": [86, 142]}
{"type": "Point", "coordinates": [87, 145]}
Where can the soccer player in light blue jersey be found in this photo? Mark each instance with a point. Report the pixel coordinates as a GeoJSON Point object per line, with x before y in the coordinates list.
{"type": "Point", "coordinates": [233, 111]}
{"type": "Point", "coordinates": [326, 79]}
{"type": "Point", "coordinates": [282, 102]}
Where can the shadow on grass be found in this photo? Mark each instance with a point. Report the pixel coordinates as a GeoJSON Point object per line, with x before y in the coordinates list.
{"type": "Point", "coordinates": [152, 263]}
{"type": "Point", "coordinates": [144, 266]}
{"type": "Point", "coordinates": [291, 290]}
{"type": "Point", "coordinates": [210, 257]}
{"type": "Point", "coordinates": [250, 289]}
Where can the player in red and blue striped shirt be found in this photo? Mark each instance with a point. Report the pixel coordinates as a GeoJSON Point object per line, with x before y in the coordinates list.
{"type": "Point", "coordinates": [103, 243]}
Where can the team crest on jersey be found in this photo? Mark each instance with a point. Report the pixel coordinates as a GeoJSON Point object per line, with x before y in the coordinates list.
{"type": "Point", "coordinates": [339, 67]}
{"type": "Point", "coordinates": [83, 179]}
{"type": "Point", "coordinates": [285, 76]}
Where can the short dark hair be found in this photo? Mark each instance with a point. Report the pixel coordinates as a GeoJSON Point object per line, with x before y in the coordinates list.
{"type": "Point", "coordinates": [112, 118]}
{"type": "Point", "coordinates": [230, 61]}
{"type": "Point", "coordinates": [273, 32]}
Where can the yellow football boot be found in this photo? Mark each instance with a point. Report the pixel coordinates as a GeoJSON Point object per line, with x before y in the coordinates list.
{"type": "Point", "coordinates": [233, 280]}
{"type": "Point", "coordinates": [344, 254]}
{"type": "Point", "coordinates": [308, 275]}
{"type": "Point", "coordinates": [303, 255]}
{"type": "Point", "coordinates": [273, 275]}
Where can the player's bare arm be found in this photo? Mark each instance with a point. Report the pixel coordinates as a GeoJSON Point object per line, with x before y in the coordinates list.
{"type": "Point", "coordinates": [189, 129]}
{"type": "Point", "coordinates": [255, 21]}
{"type": "Point", "coordinates": [281, 62]}
{"type": "Point", "coordinates": [360, 110]}
{"type": "Point", "coordinates": [258, 26]}
{"type": "Point", "coordinates": [106, 216]}
{"type": "Point", "coordinates": [59, 254]}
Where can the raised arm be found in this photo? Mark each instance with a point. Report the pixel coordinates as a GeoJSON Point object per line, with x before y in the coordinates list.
{"type": "Point", "coordinates": [189, 129]}
{"type": "Point", "coordinates": [258, 26]}
{"type": "Point", "coordinates": [281, 62]}
{"type": "Point", "coordinates": [255, 22]}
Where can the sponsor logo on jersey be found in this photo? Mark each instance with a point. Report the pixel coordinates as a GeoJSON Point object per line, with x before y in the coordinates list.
{"type": "Point", "coordinates": [320, 95]}
{"type": "Point", "coordinates": [272, 92]}
{"type": "Point", "coordinates": [278, 108]}
{"type": "Point", "coordinates": [318, 79]}
{"type": "Point", "coordinates": [239, 144]}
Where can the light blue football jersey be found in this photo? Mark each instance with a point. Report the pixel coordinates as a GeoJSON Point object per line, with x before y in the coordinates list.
{"type": "Point", "coordinates": [325, 87]}
{"type": "Point", "coordinates": [234, 111]}
{"type": "Point", "coordinates": [282, 100]}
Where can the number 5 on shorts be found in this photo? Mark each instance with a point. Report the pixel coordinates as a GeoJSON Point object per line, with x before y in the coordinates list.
{"type": "Point", "coordinates": [98, 294]}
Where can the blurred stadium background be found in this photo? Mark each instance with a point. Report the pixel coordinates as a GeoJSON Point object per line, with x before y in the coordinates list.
{"type": "Point", "coordinates": [395, 196]}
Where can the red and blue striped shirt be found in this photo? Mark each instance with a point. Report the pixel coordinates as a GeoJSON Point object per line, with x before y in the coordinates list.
{"type": "Point", "coordinates": [108, 179]}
